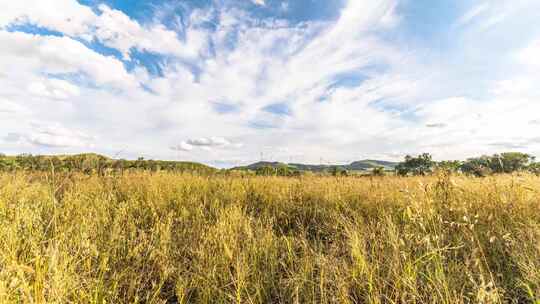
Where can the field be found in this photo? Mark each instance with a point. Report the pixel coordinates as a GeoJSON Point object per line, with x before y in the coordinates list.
{"type": "Point", "coordinates": [179, 238]}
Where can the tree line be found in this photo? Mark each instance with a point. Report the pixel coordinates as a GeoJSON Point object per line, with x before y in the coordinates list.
{"type": "Point", "coordinates": [485, 165]}
{"type": "Point", "coordinates": [422, 164]}
{"type": "Point", "coordinates": [94, 163]}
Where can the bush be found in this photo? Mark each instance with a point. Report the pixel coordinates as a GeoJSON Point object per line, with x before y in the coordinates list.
{"type": "Point", "coordinates": [534, 168]}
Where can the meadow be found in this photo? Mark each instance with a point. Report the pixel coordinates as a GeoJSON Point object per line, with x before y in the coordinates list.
{"type": "Point", "coordinates": [160, 237]}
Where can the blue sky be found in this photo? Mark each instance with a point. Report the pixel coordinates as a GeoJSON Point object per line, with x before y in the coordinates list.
{"type": "Point", "coordinates": [222, 81]}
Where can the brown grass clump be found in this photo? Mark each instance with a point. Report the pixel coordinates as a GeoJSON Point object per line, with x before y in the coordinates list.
{"type": "Point", "coordinates": [172, 238]}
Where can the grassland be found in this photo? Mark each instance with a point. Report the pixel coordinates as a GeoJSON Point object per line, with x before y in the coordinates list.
{"type": "Point", "coordinates": [179, 238]}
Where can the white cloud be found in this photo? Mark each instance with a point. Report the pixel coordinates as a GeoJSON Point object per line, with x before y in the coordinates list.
{"type": "Point", "coordinates": [487, 14]}
{"type": "Point", "coordinates": [183, 146]}
{"type": "Point", "coordinates": [473, 13]}
{"type": "Point", "coordinates": [60, 55]}
{"type": "Point", "coordinates": [66, 16]}
{"type": "Point", "coordinates": [112, 27]}
{"type": "Point", "coordinates": [516, 86]}
{"type": "Point", "coordinates": [118, 31]}
{"type": "Point", "coordinates": [208, 142]}
{"type": "Point", "coordinates": [530, 55]}
{"type": "Point", "coordinates": [53, 136]}
{"type": "Point", "coordinates": [8, 107]}
{"type": "Point", "coordinates": [54, 88]}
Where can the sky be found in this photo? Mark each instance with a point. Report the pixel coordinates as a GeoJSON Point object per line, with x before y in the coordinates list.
{"type": "Point", "coordinates": [230, 82]}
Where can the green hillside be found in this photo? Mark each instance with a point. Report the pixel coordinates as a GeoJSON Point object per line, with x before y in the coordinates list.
{"type": "Point", "coordinates": [370, 164]}
{"type": "Point", "coordinates": [362, 165]}
{"type": "Point", "coordinates": [90, 162]}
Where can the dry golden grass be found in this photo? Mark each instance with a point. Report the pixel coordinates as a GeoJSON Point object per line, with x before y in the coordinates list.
{"type": "Point", "coordinates": [170, 238]}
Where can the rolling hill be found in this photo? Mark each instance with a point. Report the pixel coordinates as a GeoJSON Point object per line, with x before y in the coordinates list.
{"type": "Point", "coordinates": [92, 161]}
{"type": "Point", "coordinates": [362, 165]}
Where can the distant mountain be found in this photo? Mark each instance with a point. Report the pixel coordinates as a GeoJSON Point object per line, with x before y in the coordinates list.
{"type": "Point", "coordinates": [361, 165]}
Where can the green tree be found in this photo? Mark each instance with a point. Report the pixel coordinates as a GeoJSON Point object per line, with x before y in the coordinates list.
{"type": "Point", "coordinates": [478, 166]}
{"type": "Point", "coordinates": [534, 168]}
{"type": "Point", "coordinates": [512, 161]}
{"type": "Point", "coordinates": [378, 171]}
{"type": "Point", "coordinates": [283, 170]}
{"type": "Point", "coordinates": [265, 171]}
{"type": "Point", "coordinates": [338, 171]}
{"type": "Point", "coordinates": [498, 163]}
{"type": "Point", "coordinates": [423, 164]}
{"type": "Point", "coordinates": [449, 165]}
{"type": "Point", "coordinates": [4, 165]}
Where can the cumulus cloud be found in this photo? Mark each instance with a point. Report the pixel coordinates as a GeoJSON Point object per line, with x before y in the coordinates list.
{"type": "Point", "coordinates": [111, 27]}
{"type": "Point", "coordinates": [54, 88]}
{"type": "Point", "coordinates": [208, 142]}
{"type": "Point", "coordinates": [53, 136]}
{"type": "Point", "coordinates": [66, 16]}
{"type": "Point", "coordinates": [60, 55]}
{"type": "Point", "coordinates": [183, 146]}
{"type": "Point", "coordinates": [213, 142]}
{"type": "Point", "coordinates": [118, 31]}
